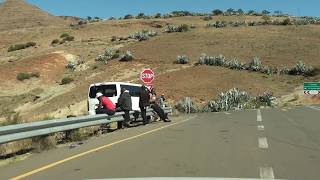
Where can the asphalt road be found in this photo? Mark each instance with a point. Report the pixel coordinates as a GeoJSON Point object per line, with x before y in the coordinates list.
{"type": "Point", "coordinates": [267, 143]}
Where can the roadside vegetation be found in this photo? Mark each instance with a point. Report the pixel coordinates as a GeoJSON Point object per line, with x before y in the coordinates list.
{"type": "Point", "coordinates": [233, 99]}
{"type": "Point", "coordinates": [256, 65]}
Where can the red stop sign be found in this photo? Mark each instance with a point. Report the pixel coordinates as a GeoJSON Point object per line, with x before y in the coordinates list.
{"type": "Point", "coordinates": [147, 76]}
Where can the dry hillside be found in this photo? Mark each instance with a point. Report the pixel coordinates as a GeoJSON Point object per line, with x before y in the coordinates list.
{"type": "Point", "coordinates": [277, 46]}
{"type": "Point", "coordinates": [17, 14]}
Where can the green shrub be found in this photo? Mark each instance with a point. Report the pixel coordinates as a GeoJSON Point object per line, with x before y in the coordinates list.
{"type": "Point", "coordinates": [207, 18]}
{"type": "Point", "coordinates": [69, 38]}
{"type": "Point", "coordinates": [55, 41]}
{"type": "Point", "coordinates": [158, 15]}
{"type": "Point", "coordinates": [66, 80]}
{"type": "Point", "coordinates": [114, 38]}
{"type": "Point", "coordinates": [16, 47]}
{"type": "Point", "coordinates": [64, 35]}
{"type": "Point", "coordinates": [23, 76]}
{"type": "Point", "coordinates": [11, 117]}
{"type": "Point", "coordinates": [140, 16]}
{"type": "Point", "coordinates": [31, 44]}
{"type": "Point", "coordinates": [286, 21]}
{"type": "Point", "coordinates": [217, 12]}
{"type": "Point", "coordinates": [128, 16]}
{"type": "Point", "coordinates": [21, 46]}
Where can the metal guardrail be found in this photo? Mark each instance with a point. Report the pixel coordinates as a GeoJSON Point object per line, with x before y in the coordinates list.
{"type": "Point", "coordinates": [27, 130]}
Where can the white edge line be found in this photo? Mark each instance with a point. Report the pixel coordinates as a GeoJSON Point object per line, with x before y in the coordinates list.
{"type": "Point", "coordinates": [260, 127]}
{"type": "Point", "coordinates": [263, 143]}
{"type": "Point", "coordinates": [266, 173]}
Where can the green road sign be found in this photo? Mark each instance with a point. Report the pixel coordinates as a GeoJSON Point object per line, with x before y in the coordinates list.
{"type": "Point", "coordinates": [310, 86]}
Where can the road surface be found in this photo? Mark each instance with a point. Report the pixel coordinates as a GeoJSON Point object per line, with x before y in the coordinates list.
{"type": "Point", "coordinates": [266, 143]}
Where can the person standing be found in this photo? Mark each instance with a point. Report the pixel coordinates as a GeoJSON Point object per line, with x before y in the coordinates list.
{"type": "Point", "coordinates": [106, 106]}
{"type": "Point", "coordinates": [125, 104]}
{"type": "Point", "coordinates": [144, 102]}
{"type": "Point", "coordinates": [155, 106]}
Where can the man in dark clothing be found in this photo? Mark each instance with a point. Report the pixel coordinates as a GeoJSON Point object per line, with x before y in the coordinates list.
{"type": "Point", "coordinates": [125, 104]}
{"type": "Point", "coordinates": [155, 106]}
{"type": "Point", "coordinates": [144, 101]}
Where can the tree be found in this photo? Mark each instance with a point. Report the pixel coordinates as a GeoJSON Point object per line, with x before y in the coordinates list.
{"type": "Point", "coordinates": [128, 16]}
{"type": "Point", "coordinates": [89, 18]}
{"type": "Point", "coordinates": [140, 15]}
{"type": "Point", "coordinates": [230, 11]}
{"type": "Point", "coordinates": [265, 12]}
{"type": "Point", "coordinates": [217, 12]}
{"type": "Point", "coordinates": [251, 12]}
{"type": "Point", "coordinates": [158, 15]}
{"type": "Point", "coordinates": [266, 18]}
{"type": "Point", "coordinates": [277, 12]}
{"type": "Point", "coordinates": [240, 11]}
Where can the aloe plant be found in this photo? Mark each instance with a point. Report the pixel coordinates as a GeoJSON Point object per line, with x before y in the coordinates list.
{"type": "Point", "coordinates": [235, 64]}
{"type": "Point", "coordinates": [143, 35]}
{"type": "Point", "coordinates": [301, 69]}
{"type": "Point", "coordinates": [182, 59]}
{"type": "Point", "coordinates": [127, 56]}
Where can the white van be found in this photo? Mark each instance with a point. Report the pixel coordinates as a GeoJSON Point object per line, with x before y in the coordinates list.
{"type": "Point", "coordinates": [113, 91]}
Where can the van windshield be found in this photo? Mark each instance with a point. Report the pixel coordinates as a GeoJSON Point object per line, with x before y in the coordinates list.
{"type": "Point", "coordinates": [106, 90]}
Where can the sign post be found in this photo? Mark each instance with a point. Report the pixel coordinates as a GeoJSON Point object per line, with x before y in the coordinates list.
{"type": "Point", "coordinates": [311, 88]}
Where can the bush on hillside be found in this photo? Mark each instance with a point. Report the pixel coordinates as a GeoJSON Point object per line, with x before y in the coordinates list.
{"type": "Point", "coordinates": [182, 59]}
{"type": "Point", "coordinates": [143, 35]}
{"type": "Point", "coordinates": [68, 38]}
{"type": "Point", "coordinates": [158, 15]}
{"type": "Point", "coordinates": [63, 35]}
{"type": "Point", "coordinates": [207, 18]}
{"type": "Point", "coordinates": [301, 69]}
{"type": "Point", "coordinates": [127, 56]}
{"type": "Point", "coordinates": [180, 28]}
{"type": "Point", "coordinates": [286, 21]}
{"type": "Point", "coordinates": [23, 76]}
{"type": "Point", "coordinates": [217, 24]}
{"type": "Point", "coordinates": [217, 12]}
{"type": "Point", "coordinates": [66, 80]}
{"type": "Point", "coordinates": [55, 41]}
{"type": "Point", "coordinates": [128, 16]}
{"type": "Point", "coordinates": [109, 54]}
{"type": "Point", "coordinates": [21, 46]}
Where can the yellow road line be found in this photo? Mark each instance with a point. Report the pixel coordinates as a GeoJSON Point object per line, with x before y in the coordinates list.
{"type": "Point", "coordinates": [92, 150]}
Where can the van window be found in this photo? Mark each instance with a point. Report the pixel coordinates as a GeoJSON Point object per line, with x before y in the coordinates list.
{"type": "Point", "coordinates": [106, 90]}
{"type": "Point", "coordinates": [134, 91]}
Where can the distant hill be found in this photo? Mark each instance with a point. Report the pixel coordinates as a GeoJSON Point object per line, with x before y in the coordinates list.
{"type": "Point", "coordinates": [16, 14]}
